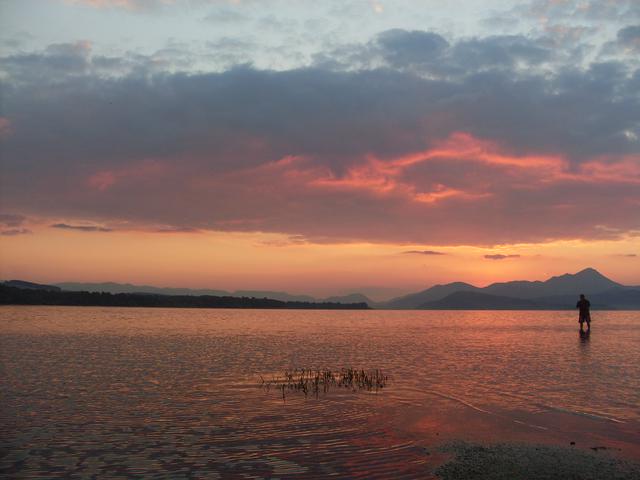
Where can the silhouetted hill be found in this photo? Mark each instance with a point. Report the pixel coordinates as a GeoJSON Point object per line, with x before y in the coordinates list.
{"type": "Point", "coordinates": [29, 285]}
{"type": "Point", "coordinates": [27, 296]}
{"type": "Point", "coordinates": [351, 298]}
{"type": "Point", "coordinates": [112, 287]}
{"type": "Point", "coordinates": [282, 296]}
{"type": "Point", "coordinates": [618, 298]}
{"type": "Point", "coordinates": [479, 301]}
{"type": "Point", "coordinates": [587, 281]}
{"type": "Point", "coordinates": [556, 292]}
{"type": "Point", "coordinates": [415, 300]}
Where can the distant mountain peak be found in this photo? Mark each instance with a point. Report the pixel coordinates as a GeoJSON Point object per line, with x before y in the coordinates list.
{"type": "Point", "coordinates": [29, 285]}
{"type": "Point", "coordinates": [590, 271]}
{"type": "Point", "coordinates": [588, 274]}
{"type": "Point", "coordinates": [588, 281]}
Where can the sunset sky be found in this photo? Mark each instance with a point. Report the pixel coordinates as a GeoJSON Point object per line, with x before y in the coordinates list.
{"type": "Point", "coordinates": [319, 147]}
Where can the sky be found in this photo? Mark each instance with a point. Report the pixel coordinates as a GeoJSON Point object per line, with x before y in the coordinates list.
{"type": "Point", "coordinates": [319, 147]}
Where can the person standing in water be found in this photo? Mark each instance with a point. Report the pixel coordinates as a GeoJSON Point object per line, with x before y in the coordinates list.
{"type": "Point", "coordinates": [585, 315]}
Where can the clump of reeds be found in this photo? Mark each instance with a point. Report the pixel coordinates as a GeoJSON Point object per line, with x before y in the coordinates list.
{"type": "Point", "coordinates": [316, 381]}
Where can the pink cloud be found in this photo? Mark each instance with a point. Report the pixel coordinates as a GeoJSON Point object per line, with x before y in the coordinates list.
{"type": "Point", "coordinates": [463, 190]}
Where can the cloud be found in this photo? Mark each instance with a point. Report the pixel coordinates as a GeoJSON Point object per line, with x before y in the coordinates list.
{"type": "Point", "coordinates": [289, 241]}
{"type": "Point", "coordinates": [82, 228]}
{"type": "Point", "coordinates": [401, 48]}
{"type": "Point", "coordinates": [146, 6]}
{"type": "Point", "coordinates": [629, 37]}
{"type": "Point", "coordinates": [16, 41]}
{"type": "Point", "coordinates": [429, 53]}
{"type": "Point", "coordinates": [409, 137]}
{"type": "Point", "coordinates": [60, 60]}
{"type": "Point", "coordinates": [12, 225]}
{"type": "Point", "coordinates": [627, 255]}
{"type": "Point", "coordinates": [593, 10]}
{"type": "Point", "coordinates": [176, 230]}
{"type": "Point", "coordinates": [501, 51]}
{"type": "Point", "coordinates": [225, 15]}
{"type": "Point", "coordinates": [499, 256]}
{"type": "Point", "coordinates": [571, 27]}
{"type": "Point", "coordinates": [424, 252]}
{"type": "Point", "coordinates": [11, 220]}
{"type": "Point", "coordinates": [15, 231]}
{"type": "Point", "coordinates": [133, 5]}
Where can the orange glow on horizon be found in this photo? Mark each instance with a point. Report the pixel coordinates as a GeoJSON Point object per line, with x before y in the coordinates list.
{"type": "Point", "coordinates": [245, 261]}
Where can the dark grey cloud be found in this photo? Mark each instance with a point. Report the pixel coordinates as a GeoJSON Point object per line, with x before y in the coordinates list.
{"type": "Point", "coordinates": [629, 37]}
{"type": "Point", "coordinates": [56, 62]}
{"type": "Point", "coordinates": [81, 228]}
{"type": "Point", "coordinates": [428, 53]}
{"type": "Point", "coordinates": [629, 34]}
{"type": "Point", "coordinates": [257, 150]}
{"type": "Point", "coordinates": [500, 51]}
{"type": "Point", "coordinates": [59, 64]}
{"type": "Point", "coordinates": [401, 48]}
{"type": "Point", "coordinates": [379, 111]}
{"type": "Point", "coordinates": [499, 256]}
{"type": "Point", "coordinates": [424, 252]}
{"type": "Point", "coordinates": [626, 43]}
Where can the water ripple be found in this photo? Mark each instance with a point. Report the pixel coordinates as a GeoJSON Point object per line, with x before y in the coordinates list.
{"type": "Point", "coordinates": [175, 393]}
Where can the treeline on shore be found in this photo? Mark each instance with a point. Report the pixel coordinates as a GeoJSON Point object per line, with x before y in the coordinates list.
{"type": "Point", "coordinates": [23, 296]}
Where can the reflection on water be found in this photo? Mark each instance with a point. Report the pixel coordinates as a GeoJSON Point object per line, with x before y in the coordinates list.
{"type": "Point", "coordinates": [125, 392]}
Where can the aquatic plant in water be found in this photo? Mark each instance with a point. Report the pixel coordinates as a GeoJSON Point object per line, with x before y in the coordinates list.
{"type": "Point", "coordinates": [316, 381]}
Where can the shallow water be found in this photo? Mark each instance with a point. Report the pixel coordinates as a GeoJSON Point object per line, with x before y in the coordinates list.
{"type": "Point", "coordinates": [174, 392]}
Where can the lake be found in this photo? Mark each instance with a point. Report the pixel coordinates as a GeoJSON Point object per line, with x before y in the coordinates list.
{"type": "Point", "coordinates": [175, 393]}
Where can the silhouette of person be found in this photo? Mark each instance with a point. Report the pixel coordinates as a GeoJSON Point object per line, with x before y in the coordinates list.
{"type": "Point", "coordinates": [585, 315]}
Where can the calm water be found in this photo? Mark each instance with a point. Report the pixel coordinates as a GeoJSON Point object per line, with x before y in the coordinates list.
{"type": "Point", "coordinates": [173, 392]}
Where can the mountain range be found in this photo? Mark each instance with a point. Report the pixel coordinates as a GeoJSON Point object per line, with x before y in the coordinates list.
{"type": "Point", "coordinates": [559, 292]}
{"type": "Point", "coordinates": [111, 287]}
{"type": "Point", "coordinates": [554, 293]}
